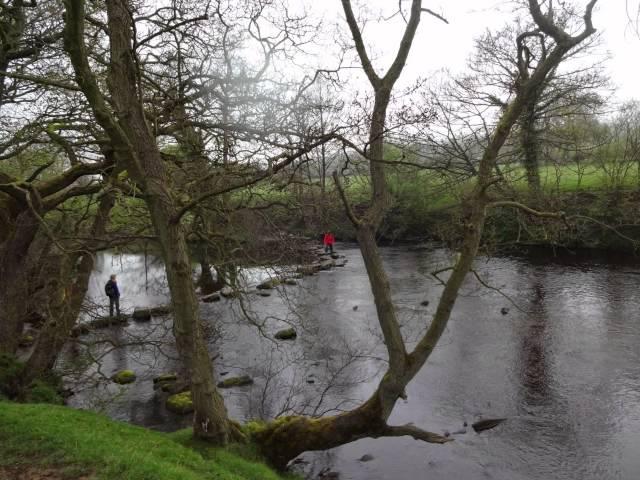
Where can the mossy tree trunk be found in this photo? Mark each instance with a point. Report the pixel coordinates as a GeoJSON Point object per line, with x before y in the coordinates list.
{"type": "Point", "coordinates": [284, 439]}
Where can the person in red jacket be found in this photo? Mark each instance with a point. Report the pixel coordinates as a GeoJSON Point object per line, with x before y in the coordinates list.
{"type": "Point", "coordinates": [328, 242]}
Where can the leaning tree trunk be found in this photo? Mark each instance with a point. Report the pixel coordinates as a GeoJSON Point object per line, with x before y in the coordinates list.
{"type": "Point", "coordinates": [283, 439]}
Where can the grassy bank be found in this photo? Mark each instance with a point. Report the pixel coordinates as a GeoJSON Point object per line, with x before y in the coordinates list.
{"type": "Point", "coordinates": [78, 443]}
{"type": "Point", "coordinates": [428, 205]}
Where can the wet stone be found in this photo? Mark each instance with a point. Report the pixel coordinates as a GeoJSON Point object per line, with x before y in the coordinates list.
{"type": "Point", "coordinates": [166, 377]}
{"type": "Point", "coordinates": [123, 377]}
{"type": "Point", "coordinates": [180, 403]}
{"type": "Point", "coordinates": [240, 381]}
{"type": "Point", "coordinates": [228, 292]}
{"type": "Point", "coordinates": [286, 334]}
{"type": "Point", "coordinates": [487, 424]}
{"type": "Point", "coordinates": [212, 297]}
{"type": "Point", "coordinates": [268, 284]}
{"type": "Point", "coordinates": [141, 315]}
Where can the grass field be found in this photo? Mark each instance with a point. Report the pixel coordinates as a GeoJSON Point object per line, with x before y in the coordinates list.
{"type": "Point", "coordinates": [77, 443]}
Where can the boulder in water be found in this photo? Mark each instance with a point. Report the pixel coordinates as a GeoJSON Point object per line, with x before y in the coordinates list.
{"type": "Point", "coordinates": [124, 376]}
{"type": "Point", "coordinates": [145, 314]}
{"type": "Point", "coordinates": [141, 315]}
{"type": "Point", "coordinates": [180, 403]}
{"type": "Point", "coordinates": [367, 457]}
{"type": "Point", "coordinates": [212, 297]}
{"type": "Point", "coordinates": [286, 334]}
{"type": "Point", "coordinates": [504, 310]}
{"type": "Point", "coordinates": [268, 284]}
{"type": "Point", "coordinates": [228, 292]}
{"type": "Point", "coordinates": [104, 322]}
{"type": "Point", "coordinates": [160, 310]}
{"type": "Point", "coordinates": [240, 381]}
{"type": "Point", "coordinates": [327, 265]}
{"type": "Point", "coordinates": [166, 377]}
{"type": "Point", "coordinates": [487, 424]}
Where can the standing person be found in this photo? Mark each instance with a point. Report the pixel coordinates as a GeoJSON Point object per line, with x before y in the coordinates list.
{"type": "Point", "coordinates": [112, 291]}
{"type": "Point", "coordinates": [328, 241]}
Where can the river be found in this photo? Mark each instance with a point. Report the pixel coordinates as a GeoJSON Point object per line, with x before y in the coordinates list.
{"type": "Point", "coordinates": [562, 364]}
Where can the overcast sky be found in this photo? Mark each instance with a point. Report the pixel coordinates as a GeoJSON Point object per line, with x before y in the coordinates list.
{"type": "Point", "coordinates": [439, 46]}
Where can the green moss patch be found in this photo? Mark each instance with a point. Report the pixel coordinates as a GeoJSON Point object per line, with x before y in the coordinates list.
{"type": "Point", "coordinates": [180, 403]}
{"type": "Point", "coordinates": [123, 377]}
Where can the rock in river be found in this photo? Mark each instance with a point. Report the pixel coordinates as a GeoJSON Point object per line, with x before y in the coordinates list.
{"type": "Point", "coordinates": [145, 314]}
{"type": "Point", "coordinates": [124, 376]}
{"type": "Point", "coordinates": [269, 284]}
{"type": "Point", "coordinates": [212, 297]}
{"type": "Point", "coordinates": [180, 403]}
{"type": "Point", "coordinates": [240, 381]}
{"type": "Point", "coordinates": [286, 334]}
{"type": "Point", "coordinates": [487, 424]}
{"type": "Point", "coordinates": [166, 377]}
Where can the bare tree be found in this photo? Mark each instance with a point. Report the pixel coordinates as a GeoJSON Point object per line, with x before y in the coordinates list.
{"type": "Point", "coordinates": [286, 438]}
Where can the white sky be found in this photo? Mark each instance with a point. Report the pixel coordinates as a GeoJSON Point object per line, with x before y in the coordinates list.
{"type": "Point", "coordinates": [439, 46]}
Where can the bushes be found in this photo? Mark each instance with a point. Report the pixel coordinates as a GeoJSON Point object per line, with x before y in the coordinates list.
{"type": "Point", "coordinates": [42, 390]}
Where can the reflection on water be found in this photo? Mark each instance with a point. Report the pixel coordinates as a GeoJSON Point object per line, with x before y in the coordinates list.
{"type": "Point", "coordinates": [563, 366]}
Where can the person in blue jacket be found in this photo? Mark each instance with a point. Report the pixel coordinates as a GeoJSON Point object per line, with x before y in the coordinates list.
{"type": "Point", "coordinates": [112, 291]}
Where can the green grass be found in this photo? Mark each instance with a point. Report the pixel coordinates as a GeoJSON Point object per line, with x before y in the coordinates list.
{"type": "Point", "coordinates": [82, 442]}
{"type": "Point", "coordinates": [568, 178]}
{"type": "Point", "coordinates": [423, 197]}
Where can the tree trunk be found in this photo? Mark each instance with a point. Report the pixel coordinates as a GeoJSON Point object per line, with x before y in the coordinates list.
{"type": "Point", "coordinates": [530, 145]}
{"type": "Point", "coordinates": [14, 273]}
{"type": "Point", "coordinates": [285, 438]}
{"type": "Point", "coordinates": [210, 421]}
{"type": "Point", "coordinates": [69, 295]}
{"type": "Point", "coordinates": [136, 149]}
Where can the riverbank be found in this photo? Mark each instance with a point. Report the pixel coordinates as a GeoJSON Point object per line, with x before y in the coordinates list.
{"type": "Point", "coordinates": [54, 442]}
{"type": "Point", "coordinates": [595, 219]}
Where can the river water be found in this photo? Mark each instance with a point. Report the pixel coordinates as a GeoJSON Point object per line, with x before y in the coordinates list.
{"type": "Point", "coordinates": [562, 365]}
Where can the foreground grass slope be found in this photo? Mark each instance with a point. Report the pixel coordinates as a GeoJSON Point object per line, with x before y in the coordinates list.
{"type": "Point", "coordinates": [85, 443]}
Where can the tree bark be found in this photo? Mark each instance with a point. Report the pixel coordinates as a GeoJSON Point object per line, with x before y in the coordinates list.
{"type": "Point", "coordinates": [69, 294]}
{"type": "Point", "coordinates": [14, 255]}
{"type": "Point", "coordinates": [530, 145]}
{"type": "Point", "coordinates": [137, 151]}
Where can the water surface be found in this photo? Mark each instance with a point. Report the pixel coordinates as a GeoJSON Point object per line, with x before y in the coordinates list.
{"type": "Point", "coordinates": [563, 365]}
